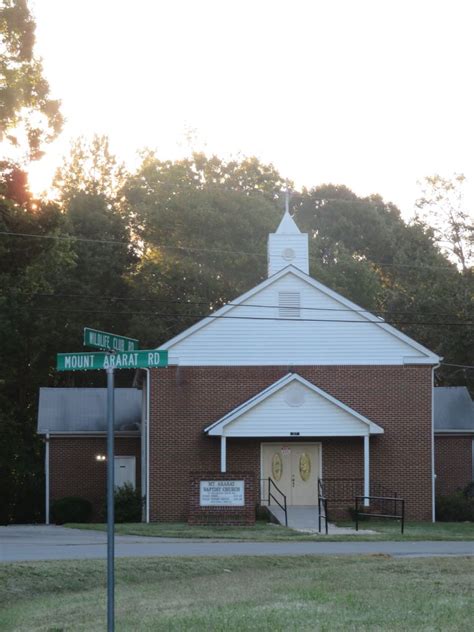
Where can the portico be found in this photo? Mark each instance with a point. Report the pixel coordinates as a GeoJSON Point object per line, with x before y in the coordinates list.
{"type": "Point", "coordinates": [292, 417]}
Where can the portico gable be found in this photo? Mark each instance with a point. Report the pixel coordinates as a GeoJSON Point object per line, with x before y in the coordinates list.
{"type": "Point", "coordinates": [293, 407]}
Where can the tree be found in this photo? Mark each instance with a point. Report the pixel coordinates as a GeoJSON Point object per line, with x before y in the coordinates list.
{"type": "Point", "coordinates": [25, 103]}
{"type": "Point", "coordinates": [29, 266]}
{"type": "Point", "coordinates": [90, 168]}
{"type": "Point", "coordinates": [443, 207]}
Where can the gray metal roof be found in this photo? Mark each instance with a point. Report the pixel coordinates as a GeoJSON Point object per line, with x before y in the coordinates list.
{"type": "Point", "coordinates": [76, 410]}
{"type": "Point", "coordinates": [453, 409]}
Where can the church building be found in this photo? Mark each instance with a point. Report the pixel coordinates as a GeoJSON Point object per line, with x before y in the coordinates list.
{"type": "Point", "coordinates": [290, 382]}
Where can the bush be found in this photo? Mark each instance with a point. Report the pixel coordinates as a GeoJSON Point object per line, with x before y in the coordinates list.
{"type": "Point", "coordinates": [71, 509]}
{"type": "Point", "coordinates": [128, 504]}
{"type": "Point", "coordinates": [468, 491]}
{"type": "Point", "coordinates": [456, 507]}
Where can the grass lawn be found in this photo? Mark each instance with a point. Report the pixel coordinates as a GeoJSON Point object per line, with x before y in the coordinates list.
{"type": "Point", "coordinates": [263, 531]}
{"type": "Point", "coordinates": [239, 594]}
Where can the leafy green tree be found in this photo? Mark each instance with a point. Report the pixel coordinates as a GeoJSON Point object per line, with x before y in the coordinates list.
{"type": "Point", "coordinates": [28, 266]}
{"type": "Point", "coordinates": [443, 207]}
{"type": "Point", "coordinates": [90, 168]}
{"type": "Point", "coordinates": [25, 103]}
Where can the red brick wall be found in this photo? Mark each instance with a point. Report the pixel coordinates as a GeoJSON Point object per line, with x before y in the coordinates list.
{"type": "Point", "coordinates": [187, 399]}
{"type": "Point", "coordinates": [453, 462]}
{"type": "Point", "coordinates": [74, 470]}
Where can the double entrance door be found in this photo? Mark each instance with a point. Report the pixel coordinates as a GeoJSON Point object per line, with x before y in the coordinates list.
{"type": "Point", "coordinates": [294, 468]}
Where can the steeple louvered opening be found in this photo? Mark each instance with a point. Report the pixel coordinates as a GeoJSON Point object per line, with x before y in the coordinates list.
{"type": "Point", "coordinates": [289, 304]}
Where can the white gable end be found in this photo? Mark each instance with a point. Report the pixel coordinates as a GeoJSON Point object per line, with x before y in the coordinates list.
{"type": "Point", "coordinates": [263, 328]}
{"type": "Point", "coordinates": [293, 407]}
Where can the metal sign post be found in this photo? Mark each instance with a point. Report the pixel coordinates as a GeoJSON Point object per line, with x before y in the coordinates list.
{"type": "Point", "coordinates": [120, 353]}
{"type": "Point", "coordinates": [110, 500]}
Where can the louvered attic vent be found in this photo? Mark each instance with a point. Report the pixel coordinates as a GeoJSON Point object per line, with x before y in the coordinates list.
{"type": "Point", "coordinates": [289, 304]}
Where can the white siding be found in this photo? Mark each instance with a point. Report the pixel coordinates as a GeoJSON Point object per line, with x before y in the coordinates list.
{"type": "Point", "coordinates": [315, 417]}
{"type": "Point", "coordinates": [279, 247]}
{"type": "Point", "coordinates": [275, 341]}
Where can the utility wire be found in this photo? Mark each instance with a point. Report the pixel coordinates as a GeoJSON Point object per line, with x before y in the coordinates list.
{"type": "Point", "coordinates": [459, 366]}
{"type": "Point", "coordinates": [208, 250]}
{"type": "Point", "coordinates": [266, 318]}
{"type": "Point", "coordinates": [230, 304]}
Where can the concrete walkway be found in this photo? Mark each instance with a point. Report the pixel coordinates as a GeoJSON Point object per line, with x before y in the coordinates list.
{"type": "Point", "coordinates": [28, 543]}
{"type": "Point", "coordinates": [304, 518]}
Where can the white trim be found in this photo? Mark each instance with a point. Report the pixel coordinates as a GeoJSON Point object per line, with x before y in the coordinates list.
{"type": "Point", "coordinates": [147, 435]}
{"type": "Point", "coordinates": [84, 434]}
{"type": "Point", "coordinates": [366, 469]}
{"type": "Point", "coordinates": [433, 473]}
{"type": "Point", "coordinates": [46, 480]}
{"type": "Point", "coordinates": [464, 431]}
{"type": "Point", "coordinates": [223, 454]}
{"type": "Point", "coordinates": [290, 442]}
{"type": "Point", "coordinates": [430, 358]}
{"type": "Point", "coordinates": [472, 473]}
{"type": "Point", "coordinates": [217, 428]}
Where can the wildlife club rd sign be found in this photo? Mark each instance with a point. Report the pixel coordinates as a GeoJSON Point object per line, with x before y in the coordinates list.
{"type": "Point", "coordinates": [110, 342]}
{"type": "Point", "coordinates": [148, 359]}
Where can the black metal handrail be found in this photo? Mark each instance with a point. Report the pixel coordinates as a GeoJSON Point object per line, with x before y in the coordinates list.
{"type": "Point", "coordinates": [322, 505]}
{"type": "Point", "coordinates": [346, 489]}
{"type": "Point", "coordinates": [379, 506]}
{"type": "Point", "coordinates": [283, 505]}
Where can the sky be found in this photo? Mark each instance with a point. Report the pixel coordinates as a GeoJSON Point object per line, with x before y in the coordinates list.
{"type": "Point", "coordinates": [372, 94]}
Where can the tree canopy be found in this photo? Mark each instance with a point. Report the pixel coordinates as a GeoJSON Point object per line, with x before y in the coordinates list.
{"type": "Point", "coordinates": [26, 108]}
{"type": "Point", "coordinates": [148, 253]}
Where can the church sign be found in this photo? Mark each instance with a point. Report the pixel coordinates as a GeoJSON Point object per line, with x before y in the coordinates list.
{"type": "Point", "coordinates": [223, 493]}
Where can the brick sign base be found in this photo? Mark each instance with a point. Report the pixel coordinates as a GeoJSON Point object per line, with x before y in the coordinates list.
{"type": "Point", "coordinates": [222, 515]}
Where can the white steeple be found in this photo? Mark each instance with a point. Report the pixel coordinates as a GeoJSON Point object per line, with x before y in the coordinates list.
{"type": "Point", "coordinates": [288, 246]}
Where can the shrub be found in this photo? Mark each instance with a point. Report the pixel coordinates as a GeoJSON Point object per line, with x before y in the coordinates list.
{"type": "Point", "coordinates": [128, 504]}
{"type": "Point", "coordinates": [455, 508]}
{"type": "Point", "coordinates": [71, 509]}
{"type": "Point", "coordinates": [468, 491]}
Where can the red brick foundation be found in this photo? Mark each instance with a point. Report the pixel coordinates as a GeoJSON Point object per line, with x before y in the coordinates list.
{"type": "Point", "coordinates": [74, 470]}
{"type": "Point", "coordinates": [223, 515]}
{"type": "Point", "coordinates": [453, 462]}
{"type": "Point", "coordinates": [187, 399]}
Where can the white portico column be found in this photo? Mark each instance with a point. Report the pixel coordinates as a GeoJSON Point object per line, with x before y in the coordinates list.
{"type": "Point", "coordinates": [223, 454]}
{"type": "Point", "coordinates": [366, 469]}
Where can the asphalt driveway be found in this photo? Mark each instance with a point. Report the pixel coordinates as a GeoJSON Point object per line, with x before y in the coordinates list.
{"type": "Point", "coordinates": [40, 542]}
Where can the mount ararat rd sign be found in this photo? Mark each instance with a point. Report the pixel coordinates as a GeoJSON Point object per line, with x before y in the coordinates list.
{"type": "Point", "coordinates": [146, 359]}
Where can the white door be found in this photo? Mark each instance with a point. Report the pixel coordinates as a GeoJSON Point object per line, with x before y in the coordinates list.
{"type": "Point", "coordinates": [295, 470]}
{"type": "Point", "coordinates": [124, 470]}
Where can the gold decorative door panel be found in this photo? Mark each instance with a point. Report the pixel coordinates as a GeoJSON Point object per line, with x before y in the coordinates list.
{"type": "Point", "coordinates": [294, 467]}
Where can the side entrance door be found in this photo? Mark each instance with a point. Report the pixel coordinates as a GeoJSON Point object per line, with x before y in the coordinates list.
{"type": "Point", "coordinates": [294, 468]}
{"type": "Point", "coordinates": [124, 470]}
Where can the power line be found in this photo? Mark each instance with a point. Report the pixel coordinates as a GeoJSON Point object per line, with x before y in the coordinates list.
{"type": "Point", "coordinates": [231, 304]}
{"type": "Point", "coordinates": [266, 318]}
{"type": "Point", "coordinates": [72, 238]}
{"type": "Point", "coordinates": [459, 366]}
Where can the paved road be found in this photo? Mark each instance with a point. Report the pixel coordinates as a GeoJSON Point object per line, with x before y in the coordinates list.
{"type": "Point", "coordinates": [23, 543]}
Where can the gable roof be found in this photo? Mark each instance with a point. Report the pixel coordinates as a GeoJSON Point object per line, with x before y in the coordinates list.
{"type": "Point", "coordinates": [430, 358]}
{"type": "Point", "coordinates": [84, 410]}
{"type": "Point", "coordinates": [219, 427]}
{"type": "Point", "coordinates": [453, 409]}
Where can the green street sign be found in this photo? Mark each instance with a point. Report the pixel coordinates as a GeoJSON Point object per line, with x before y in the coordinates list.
{"type": "Point", "coordinates": [110, 342]}
{"type": "Point", "coordinates": [148, 359]}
